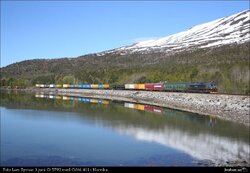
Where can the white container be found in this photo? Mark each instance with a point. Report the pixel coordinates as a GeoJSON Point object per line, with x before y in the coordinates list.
{"type": "Point", "coordinates": [157, 110]}
{"type": "Point", "coordinates": [51, 96]}
{"type": "Point", "coordinates": [51, 85]}
{"type": "Point", "coordinates": [65, 98]}
{"type": "Point", "coordinates": [129, 105]}
{"type": "Point", "coordinates": [157, 86]}
{"type": "Point", "coordinates": [42, 85]}
{"type": "Point", "coordinates": [65, 85]}
{"type": "Point", "coordinates": [129, 86]}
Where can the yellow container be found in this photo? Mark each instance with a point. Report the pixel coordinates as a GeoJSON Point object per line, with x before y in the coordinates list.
{"type": "Point", "coordinates": [106, 86]}
{"type": "Point", "coordinates": [139, 107]}
{"type": "Point", "coordinates": [76, 86]}
{"type": "Point", "coordinates": [94, 86]}
{"type": "Point", "coordinates": [136, 86]}
{"type": "Point", "coordinates": [58, 86]}
{"type": "Point", "coordinates": [93, 100]}
{"type": "Point", "coordinates": [105, 102]}
{"type": "Point", "coordinates": [58, 97]}
{"type": "Point", "coordinates": [141, 86]}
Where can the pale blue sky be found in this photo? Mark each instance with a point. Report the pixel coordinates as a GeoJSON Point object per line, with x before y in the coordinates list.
{"type": "Point", "coordinates": [55, 29]}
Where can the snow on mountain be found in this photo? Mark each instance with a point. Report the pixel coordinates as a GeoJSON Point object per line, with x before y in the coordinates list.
{"type": "Point", "coordinates": [234, 29]}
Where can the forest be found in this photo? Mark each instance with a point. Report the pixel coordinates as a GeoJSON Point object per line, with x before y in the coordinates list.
{"type": "Point", "coordinates": [227, 65]}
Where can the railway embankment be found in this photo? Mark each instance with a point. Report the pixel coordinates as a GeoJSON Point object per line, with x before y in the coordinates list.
{"type": "Point", "coordinates": [231, 107]}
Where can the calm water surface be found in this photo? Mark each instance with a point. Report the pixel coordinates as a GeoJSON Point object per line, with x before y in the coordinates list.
{"type": "Point", "coordinates": [43, 130]}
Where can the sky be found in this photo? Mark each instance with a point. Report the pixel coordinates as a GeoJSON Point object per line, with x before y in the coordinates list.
{"type": "Point", "coordinates": [56, 29]}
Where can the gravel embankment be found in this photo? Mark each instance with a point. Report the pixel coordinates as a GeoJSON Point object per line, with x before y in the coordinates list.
{"type": "Point", "coordinates": [230, 107]}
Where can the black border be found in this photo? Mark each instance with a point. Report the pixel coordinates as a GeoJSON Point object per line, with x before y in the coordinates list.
{"type": "Point", "coordinates": [109, 169]}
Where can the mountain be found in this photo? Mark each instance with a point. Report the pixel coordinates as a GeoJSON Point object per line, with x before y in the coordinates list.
{"type": "Point", "coordinates": [228, 30]}
{"type": "Point", "coordinates": [217, 50]}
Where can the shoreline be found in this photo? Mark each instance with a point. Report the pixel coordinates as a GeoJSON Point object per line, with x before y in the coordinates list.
{"type": "Point", "coordinates": [230, 107]}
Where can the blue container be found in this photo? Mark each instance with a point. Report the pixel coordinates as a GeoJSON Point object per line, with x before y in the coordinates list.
{"type": "Point", "coordinates": [79, 86]}
{"type": "Point", "coordinates": [72, 86]}
{"type": "Point", "coordinates": [87, 100]}
{"type": "Point", "coordinates": [71, 98]}
{"type": "Point", "coordinates": [100, 86]}
{"type": "Point", "coordinates": [100, 101]}
{"type": "Point", "coordinates": [79, 99]}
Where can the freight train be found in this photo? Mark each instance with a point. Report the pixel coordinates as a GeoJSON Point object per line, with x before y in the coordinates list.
{"type": "Point", "coordinates": [202, 87]}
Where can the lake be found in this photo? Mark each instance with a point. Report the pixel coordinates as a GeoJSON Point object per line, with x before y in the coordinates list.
{"type": "Point", "coordinates": [53, 130]}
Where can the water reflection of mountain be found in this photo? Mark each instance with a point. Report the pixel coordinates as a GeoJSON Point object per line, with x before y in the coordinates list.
{"type": "Point", "coordinates": [200, 136]}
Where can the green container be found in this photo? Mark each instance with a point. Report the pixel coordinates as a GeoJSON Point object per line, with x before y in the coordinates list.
{"type": "Point", "coordinates": [176, 86]}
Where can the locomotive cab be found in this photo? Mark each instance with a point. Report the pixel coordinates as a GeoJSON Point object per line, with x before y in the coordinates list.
{"type": "Point", "coordinates": [213, 86]}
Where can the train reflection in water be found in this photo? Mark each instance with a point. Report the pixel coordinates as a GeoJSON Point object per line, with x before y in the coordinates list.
{"type": "Point", "coordinates": [182, 131]}
{"type": "Point", "coordinates": [81, 99]}
{"type": "Point", "coordinates": [137, 106]}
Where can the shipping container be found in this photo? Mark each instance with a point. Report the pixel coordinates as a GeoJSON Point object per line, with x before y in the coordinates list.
{"type": "Point", "coordinates": [129, 86]}
{"type": "Point", "coordinates": [66, 85]}
{"type": "Point", "coordinates": [58, 97]}
{"type": "Point", "coordinates": [129, 105]}
{"type": "Point", "coordinates": [106, 86]}
{"type": "Point", "coordinates": [58, 86]}
{"type": "Point", "coordinates": [149, 108]}
{"type": "Point", "coordinates": [66, 98]}
{"type": "Point", "coordinates": [52, 85]}
{"type": "Point", "coordinates": [105, 102]}
{"type": "Point", "coordinates": [93, 100]}
{"type": "Point", "coordinates": [100, 86]}
{"type": "Point", "coordinates": [136, 86]}
{"type": "Point", "coordinates": [72, 86]}
{"type": "Point", "coordinates": [51, 97]}
{"type": "Point", "coordinates": [94, 86]}
{"type": "Point", "coordinates": [149, 87]}
{"type": "Point", "coordinates": [139, 107]}
{"type": "Point", "coordinates": [76, 86]}
{"type": "Point", "coordinates": [86, 86]}
{"type": "Point", "coordinates": [37, 85]}
{"type": "Point", "coordinates": [176, 86]}
{"type": "Point", "coordinates": [158, 110]}
{"type": "Point", "coordinates": [141, 86]}
{"type": "Point", "coordinates": [158, 87]}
